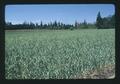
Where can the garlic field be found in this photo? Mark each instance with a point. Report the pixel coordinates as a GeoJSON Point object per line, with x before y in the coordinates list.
{"type": "Point", "coordinates": [58, 54]}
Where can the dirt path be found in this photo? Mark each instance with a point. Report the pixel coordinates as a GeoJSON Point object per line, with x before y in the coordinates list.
{"type": "Point", "coordinates": [104, 73]}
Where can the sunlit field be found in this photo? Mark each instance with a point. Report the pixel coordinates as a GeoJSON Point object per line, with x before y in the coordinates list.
{"type": "Point", "coordinates": [59, 54]}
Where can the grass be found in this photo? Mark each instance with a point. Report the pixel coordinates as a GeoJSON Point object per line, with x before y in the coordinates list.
{"type": "Point", "coordinates": [58, 54]}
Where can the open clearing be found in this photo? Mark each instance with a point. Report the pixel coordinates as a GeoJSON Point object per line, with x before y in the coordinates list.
{"type": "Point", "coordinates": [59, 54]}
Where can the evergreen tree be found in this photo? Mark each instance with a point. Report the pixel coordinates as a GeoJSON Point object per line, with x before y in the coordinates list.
{"type": "Point", "coordinates": [109, 22]}
{"type": "Point", "coordinates": [55, 23]}
{"type": "Point", "coordinates": [99, 21]}
{"type": "Point", "coordinates": [36, 25]}
{"type": "Point", "coordinates": [113, 21]}
{"type": "Point", "coordinates": [76, 24]}
{"type": "Point", "coordinates": [32, 25]}
{"type": "Point", "coordinates": [85, 24]}
{"type": "Point", "coordinates": [51, 25]}
{"type": "Point", "coordinates": [41, 24]}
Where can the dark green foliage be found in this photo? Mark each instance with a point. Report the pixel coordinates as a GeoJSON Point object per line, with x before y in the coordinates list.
{"type": "Point", "coordinates": [25, 25]}
{"type": "Point", "coordinates": [91, 26]}
{"type": "Point", "coordinates": [99, 21]}
{"type": "Point", "coordinates": [106, 22]}
{"type": "Point", "coordinates": [77, 24]}
{"type": "Point", "coordinates": [85, 24]}
{"type": "Point", "coordinates": [41, 24]}
{"type": "Point", "coordinates": [109, 22]}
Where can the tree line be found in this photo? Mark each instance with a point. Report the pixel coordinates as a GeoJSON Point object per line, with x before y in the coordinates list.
{"type": "Point", "coordinates": [101, 23]}
{"type": "Point", "coordinates": [105, 22]}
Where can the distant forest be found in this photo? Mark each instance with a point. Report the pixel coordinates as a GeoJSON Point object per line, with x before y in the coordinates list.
{"type": "Point", "coordinates": [101, 23]}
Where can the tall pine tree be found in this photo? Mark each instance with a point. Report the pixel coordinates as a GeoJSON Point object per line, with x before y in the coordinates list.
{"type": "Point", "coordinates": [99, 22]}
{"type": "Point", "coordinates": [85, 24]}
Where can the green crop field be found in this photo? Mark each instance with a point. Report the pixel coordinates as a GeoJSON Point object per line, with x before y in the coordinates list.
{"type": "Point", "coordinates": [59, 54]}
